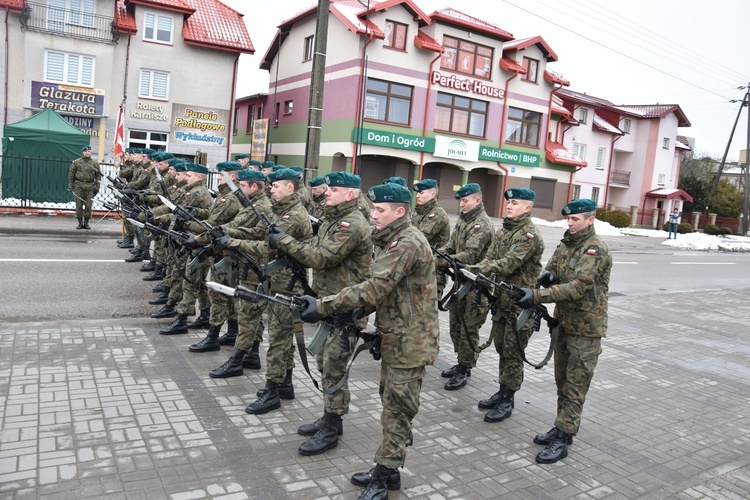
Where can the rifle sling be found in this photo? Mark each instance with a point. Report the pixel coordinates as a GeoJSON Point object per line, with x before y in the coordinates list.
{"type": "Point", "coordinates": [338, 385]}
{"type": "Point", "coordinates": [299, 335]}
{"type": "Point", "coordinates": [553, 333]}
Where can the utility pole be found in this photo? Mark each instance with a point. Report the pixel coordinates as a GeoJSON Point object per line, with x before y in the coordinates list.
{"type": "Point", "coordinates": [746, 102]}
{"type": "Point", "coordinates": [317, 83]}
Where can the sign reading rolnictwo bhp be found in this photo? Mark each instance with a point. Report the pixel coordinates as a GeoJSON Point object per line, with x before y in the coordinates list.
{"type": "Point", "coordinates": [448, 147]}
{"type": "Point", "coordinates": [67, 99]}
{"type": "Point", "coordinates": [197, 125]}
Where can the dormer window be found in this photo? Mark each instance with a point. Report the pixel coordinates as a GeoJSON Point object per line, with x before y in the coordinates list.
{"type": "Point", "coordinates": [532, 70]}
{"type": "Point", "coordinates": [466, 57]}
{"type": "Point", "coordinates": [395, 35]}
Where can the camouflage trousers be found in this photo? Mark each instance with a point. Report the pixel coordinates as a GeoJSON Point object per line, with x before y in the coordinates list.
{"type": "Point", "coordinates": [465, 320]}
{"type": "Point", "coordinates": [223, 307]}
{"type": "Point", "coordinates": [160, 250]}
{"type": "Point", "coordinates": [84, 194]}
{"type": "Point", "coordinates": [399, 392]}
{"type": "Point", "coordinates": [250, 321]}
{"type": "Point", "coordinates": [510, 364]}
{"type": "Point", "coordinates": [280, 353]}
{"type": "Point", "coordinates": [575, 362]}
{"type": "Point", "coordinates": [194, 288]}
{"type": "Point", "coordinates": [141, 236]}
{"type": "Point", "coordinates": [332, 361]}
{"type": "Point", "coordinates": [175, 277]}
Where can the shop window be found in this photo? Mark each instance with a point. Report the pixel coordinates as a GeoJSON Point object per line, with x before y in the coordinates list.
{"type": "Point", "coordinates": [466, 57]}
{"type": "Point", "coordinates": [532, 70]}
{"type": "Point", "coordinates": [157, 28]}
{"type": "Point", "coordinates": [388, 102]}
{"type": "Point", "coordinates": [154, 84]}
{"type": "Point", "coordinates": [395, 35]}
{"type": "Point", "coordinates": [523, 127]}
{"type": "Point", "coordinates": [545, 192]}
{"type": "Point", "coordinates": [63, 67]}
{"type": "Point", "coordinates": [309, 48]}
{"type": "Point", "coordinates": [144, 139]}
{"type": "Point", "coordinates": [460, 115]}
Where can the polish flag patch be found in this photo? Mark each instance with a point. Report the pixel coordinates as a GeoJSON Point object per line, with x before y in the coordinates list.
{"type": "Point", "coordinates": [393, 245]}
{"type": "Point", "coordinates": [477, 227]}
{"type": "Point", "coordinates": [345, 224]}
{"type": "Point", "coordinates": [285, 217]}
{"type": "Point", "coordinates": [530, 236]}
{"type": "Point", "coordinates": [431, 216]}
{"type": "Point", "coordinates": [591, 251]}
{"type": "Point", "coordinates": [223, 200]}
{"type": "Point", "coordinates": [187, 194]}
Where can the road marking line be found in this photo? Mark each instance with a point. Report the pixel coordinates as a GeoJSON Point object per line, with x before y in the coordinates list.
{"type": "Point", "coordinates": [704, 263]}
{"type": "Point", "coordinates": [59, 260]}
{"type": "Point", "coordinates": [624, 263]}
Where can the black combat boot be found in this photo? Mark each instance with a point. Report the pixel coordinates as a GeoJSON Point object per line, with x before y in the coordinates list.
{"type": "Point", "coordinates": [392, 481]}
{"type": "Point", "coordinates": [268, 400]}
{"type": "Point", "coordinates": [232, 368]}
{"type": "Point", "coordinates": [162, 298]}
{"type": "Point", "coordinates": [156, 275]}
{"type": "Point", "coordinates": [326, 438]}
{"type": "Point", "coordinates": [168, 311]}
{"type": "Point", "coordinates": [138, 256]}
{"type": "Point", "coordinates": [160, 288]}
{"type": "Point", "coordinates": [210, 342]}
{"type": "Point", "coordinates": [313, 428]}
{"type": "Point", "coordinates": [556, 449]}
{"type": "Point", "coordinates": [286, 389]}
{"type": "Point", "coordinates": [201, 321]}
{"type": "Point", "coordinates": [251, 359]}
{"type": "Point", "coordinates": [232, 330]}
{"type": "Point", "coordinates": [86, 223]}
{"type": "Point", "coordinates": [547, 437]}
{"type": "Point", "coordinates": [148, 266]}
{"type": "Point", "coordinates": [450, 372]}
{"type": "Point", "coordinates": [490, 402]}
{"type": "Point", "coordinates": [378, 487]}
{"type": "Point", "coordinates": [127, 242]}
{"type": "Point", "coordinates": [179, 325]}
{"type": "Point", "coordinates": [504, 407]}
{"type": "Point", "coordinates": [80, 222]}
{"type": "Point", "coordinates": [459, 379]}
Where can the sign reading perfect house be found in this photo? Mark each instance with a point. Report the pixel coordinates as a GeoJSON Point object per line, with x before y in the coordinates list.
{"type": "Point", "coordinates": [196, 125]}
{"type": "Point", "coordinates": [67, 99]}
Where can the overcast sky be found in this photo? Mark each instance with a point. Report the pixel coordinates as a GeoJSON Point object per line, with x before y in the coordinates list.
{"type": "Point", "coordinates": [694, 53]}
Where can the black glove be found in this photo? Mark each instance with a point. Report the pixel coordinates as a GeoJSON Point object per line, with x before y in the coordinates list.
{"type": "Point", "coordinates": [546, 279]}
{"type": "Point", "coordinates": [310, 314]}
{"type": "Point", "coordinates": [218, 233]}
{"type": "Point", "coordinates": [222, 242]}
{"type": "Point", "coordinates": [458, 264]}
{"type": "Point", "coordinates": [191, 243]}
{"type": "Point", "coordinates": [189, 210]}
{"type": "Point", "coordinates": [274, 237]}
{"type": "Point", "coordinates": [527, 301]}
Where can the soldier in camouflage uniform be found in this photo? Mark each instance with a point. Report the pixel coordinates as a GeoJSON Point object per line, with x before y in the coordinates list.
{"type": "Point", "coordinates": [304, 192]}
{"type": "Point", "coordinates": [127, 170]}
{"type": "Point", "coordinates": [156, 262]}
{"type": "Point", "coordinates": [468, 244]}
{"type": "Point", "coordinates": [140, 182]}
{"type": "Point", "coordinates": [247, 226]}
{"type": "Point", "coordinates": [403, 293]}
{"type": "Point", "coordinates": [576, 279]}
{"type": "Point", "coordinates": [340, 255]}
{"type": "Point", "coordinates": [197, 197]}
{"type": "Point", "coordinates": [318, 188]}
{"type": "Point", "coordinates": [515, 256]}
{"type": "Point", "coordinates": [292, 218]}
{"type": "Point", "coordinates": [84, 178]}
{"type": "Point", "coordinates": [432, 219]}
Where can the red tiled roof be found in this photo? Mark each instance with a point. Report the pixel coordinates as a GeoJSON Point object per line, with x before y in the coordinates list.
{"type": "Point", "coordinates": [554, 77]}
{"type": "Point", "coordinates": [549, 54]}
{"type": "Point", "coordinates": [452, 16]}
{"type": "Point", "coordinates": [669, 194]}
{"type": "Point", "coordinates": [423, 41]}
{"type": "Point", "coordinates": [15, 6]}
{"type": "Point", "coordinates": [657, 111]}
{"type": "Point", "coordinates": [384, 5]}
{"type": "Point", "coordinates": [603, 125]}
{"type": "Point", "coordinates": [509, 64]}
{"type": "Point", "coordinates": [557, 153]}
{"type": "Point", "coordinates": [175, 5]}
{"type": "Point", "coordinates": [683, 142]}
{"type": "Point", "coordinates": [124, 18]}
{"type": "Point", "coordinates": [558, 108]}
{"type": "Point", "coordinates": [216, 26]}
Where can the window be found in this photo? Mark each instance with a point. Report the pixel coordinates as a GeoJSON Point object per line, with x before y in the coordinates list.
{"type": "Point", "coordinates": [583, 115]}
{"type": "Point", "coordinates": [595, 195]}
{"type": "Point", "coordinates": [600, 154]}
{"type": "Point", "coordinates": [576, 191]}
{"type": "Point", "coordinates": [460, 115]}
{"type": "Point", "coordinates": [579, 150]}
{"type": "Point", "coordinates": [523, 126]}
{"type": "Point", "coordinates": [466, 57]}
{"type": "Point", "coordinates": [158, 28]}
{"type": "Point", "coordinates": [388, 102]}
{"type": "Point", "coordinates": [154, 84]}
{"type": "Point", "coordinates": [626, 125]}
{"type": "Point", "coordinates": [143, 139]}
{"type": "Point", "coordinates": [545, 192]}
{"type": "Point", "coordinates": [250, 119]}
{"type": "Point", "coordinates": [532, 70]}
{"type": "Point", "coordinates": [395, 35]}
{"type": "Point", "coordinates": [662, 177]}
{"type": "Point", "coordinates": [236, 123]}
{"type": "Point", "coordinates": [309, 48]}
{"type": "Point", "coordinates": [62, 12]}
{"type": "Point", "coordinates": [68, 68]}
{"type": "Point", "coordinates": [288, 107]}
{"type": "Point", "coordinates": [665, 144]}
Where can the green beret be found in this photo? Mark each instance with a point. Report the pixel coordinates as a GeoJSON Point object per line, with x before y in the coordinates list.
{"type": "Point", "coordinates": [249, 174]}
{"type": "Point", "coordinates": [147, 151]}
{"type": "Point", "coordinates": [241, 156]}
{"type": "Point", "coordinates": [343, 179]}
{"type": "Point", "coordinates": [255, 163]}
{"type": "Point", "coordinates": [395, 180]}
{"type": "Point", "coordinates": [519, 194]}
{"type": "Point", "coordinates": [389, 193]}
{"type": "Point", "coordinates": [579, 206]}
{"type": "Point", "coordinates": [283, 174]}
{"type": "Point", "coordinates": [128, 150]}
{"type": "Point", "coordinates": [425, 184]}
{"type": "Point", "coordinates": [180, 165]}
{"type": "Point", "coordinates": [155, 156]}
{"type": "Point", "coordinates": [166, 156]}
{"type": "Point", "coordinates": [276, 168]}
{"type": "Point", "coordinates": [197, 168]}
{"type": "Point", "coordinates": [172, 161]}
{"type": "Point", "coordinates": [316, 181]}
{"type": "Point", "coordinates": [468, 189]}
{"type": "Point", "coordinates": [85, 148]}
{"type": "Point", "coordinates": [228, 166]}
{"type": "Point", "coordinates": [297, 168]}
{"type": "Point", "coordinates": [268, 164]}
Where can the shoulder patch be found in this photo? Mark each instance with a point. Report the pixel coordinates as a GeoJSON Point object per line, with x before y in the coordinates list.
{"type": "Point", "coordinates": [343, 223]}
{"type": "Point", "coordinates": [187, 193]}
{"type": "Point", "coordinates": [591, 251]}
{"type": "Point", "coordinates": [393, 245]}
{"type": "Point", "coordinates": [431, 216]}
{"type": "Point", "coordinates": [477, 227]}
{"type": "Point", "coordinates": [223, 200]}
{"type": "Point", "coordinates": [530, 236]}
{"type": "Point", "coordinates": [285, 217]}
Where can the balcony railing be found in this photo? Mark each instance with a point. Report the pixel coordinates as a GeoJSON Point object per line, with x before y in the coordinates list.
{"type": "Point", "coordinates": [620, 177]}
{"type": "Point", "coordinates": [66, 22]}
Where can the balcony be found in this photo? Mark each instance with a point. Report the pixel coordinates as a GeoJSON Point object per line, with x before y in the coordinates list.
{"type": "Point", "coordinates": [66, 22]}
{"type": "Point", "coordinates": [620, 178]}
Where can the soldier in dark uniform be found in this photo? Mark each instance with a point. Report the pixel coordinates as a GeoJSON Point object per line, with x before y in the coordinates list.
{"type": "Point", "coordinates": [403, 293]}
{"type": "Point", "coordinates": [576, 279]}
{"type": "Point", "coordinates": [84, 178]}
{"type": "Point", "coordinates": [339, 255]}
{"type": "Point", "coordinates": [515, 256]}
{"type": "Point", "coordinates": [432, 219]}
{"type": "Point", "coordinates": [468, 243]}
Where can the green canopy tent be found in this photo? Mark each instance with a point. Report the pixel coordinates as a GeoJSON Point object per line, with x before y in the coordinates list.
{"type": "Point", "coordinates": [37, 153]}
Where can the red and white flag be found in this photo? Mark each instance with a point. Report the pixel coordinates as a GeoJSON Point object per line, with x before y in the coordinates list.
{"type": "Point", "coordinates": [119, 145]}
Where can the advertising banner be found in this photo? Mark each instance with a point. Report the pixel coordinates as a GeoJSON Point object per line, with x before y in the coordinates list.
{"type": "Point", "coordinates": [199, 125]}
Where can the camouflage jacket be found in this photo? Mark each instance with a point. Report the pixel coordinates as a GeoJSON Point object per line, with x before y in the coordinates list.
{"type": "Point", "coordinates": [317, 206]}
{"type": "Point", "coordinates": [364, 206]}
{"type": "Point", "coordinates": [340, 254]}
{"type": "Point", "coordinates": [402, 291]}
{"type": "Point", "coordinates": [471, 237]}
{"type": "Point", "coordinates": [142, 177]}
{"type": "Point", "coordinates": [197, 195]}
{"type": "Point", "coordinates": [304, 195]}
{"type": "Point", "coordinates": [433, 221]}
{"type": "Point", "coordinates": [293, 219]}
{"type": "Point", "coordinates": [223, 209]}
{"type": "Point", "coordinates": [176, 194]}
{"type": "Point", "coordinates": [84, 171]}
{"type": "Point", "coordinates": [582, 263]}
{"type": "Point", "coordinates": [154, 188]}
{"type": "Point", "coordinates": [127, 169]}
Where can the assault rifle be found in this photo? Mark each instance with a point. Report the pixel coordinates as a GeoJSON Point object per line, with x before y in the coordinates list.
{"type": "Point", "coordinates": [177, 236]}
{"type": "Point", "coordinates": [162, 183]}
{"type": "Point", "coordinates": [460, 286]}
{"type": "Point", "coordinates": [315, 223]}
